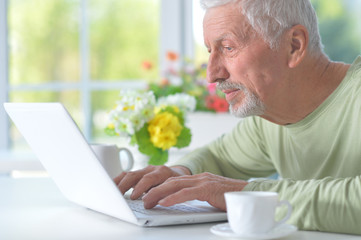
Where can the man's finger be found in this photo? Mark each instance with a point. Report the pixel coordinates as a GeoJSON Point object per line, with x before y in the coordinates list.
{"type": "Point", "coordinates": [184, 195]}
{"type": "Point", "coordinates": [151, 180]}
{"type": "Point", "coordinates": [119, 178]}
{"type": "Point", "coordinates": [129, 180]}
{"type": "Point", "coordinates": [171, 186]}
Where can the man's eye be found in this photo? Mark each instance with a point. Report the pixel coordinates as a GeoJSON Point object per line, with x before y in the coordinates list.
{"type": "Point", "coordinates": [228, 48]}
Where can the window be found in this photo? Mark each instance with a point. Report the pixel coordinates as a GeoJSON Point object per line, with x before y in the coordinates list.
{"type": "Point", "coordinates": [81, 52]}
{"type": "Point", "coordinates": [201, 53]}
{"type": "Point", "coordinates": [61, 55]}
{"type": "Point", "coordinates": [340, 28]}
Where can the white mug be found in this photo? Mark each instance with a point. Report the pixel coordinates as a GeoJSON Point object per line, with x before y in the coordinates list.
{"type": "Point", "coordinates": [254, 212]}
{"type": "Point", "coordinates": [111, 158]}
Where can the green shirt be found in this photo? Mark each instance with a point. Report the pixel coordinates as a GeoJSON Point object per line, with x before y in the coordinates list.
{"type": "Point", "coordinates": [318, 158]}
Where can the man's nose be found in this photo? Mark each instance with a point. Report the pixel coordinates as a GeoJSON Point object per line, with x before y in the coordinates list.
{"type": "Point", "coordinates": [216, 70]}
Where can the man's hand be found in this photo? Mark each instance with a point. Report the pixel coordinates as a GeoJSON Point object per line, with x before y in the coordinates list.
{"type": "Point", "coordinates": [143, 180]}
{"type": "Point", "coordinates": [204, 187]}
{"type": "Point", "coordinates": [168, 186]}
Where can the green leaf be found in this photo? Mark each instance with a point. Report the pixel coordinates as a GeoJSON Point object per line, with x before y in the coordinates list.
{"type": "Point", "coordinates": [110, 131]}
{"type": "Point", "coordinates": [133, 140]}
{"type": "Point", "coordinates": [179, 114]}
{"type": "Point", "coordinates": [162, 91]}
{"type": "Point", "coordinates": [159, 158]}
{"type": "Point", "coordinates": [143, 139]}
{"type": "Point", "coordinates": [184, 139]}
{"type": "Point", "coordinates": [145, 146]}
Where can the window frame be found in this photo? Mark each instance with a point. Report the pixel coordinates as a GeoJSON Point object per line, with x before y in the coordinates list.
{"type": "Point", "coordinates": [4, 64]}
{"type": "Point", "coordinates": [175, 34]}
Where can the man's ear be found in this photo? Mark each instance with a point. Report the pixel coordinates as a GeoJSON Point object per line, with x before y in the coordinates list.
{"type": "Point", "coordinates": [297, 42]}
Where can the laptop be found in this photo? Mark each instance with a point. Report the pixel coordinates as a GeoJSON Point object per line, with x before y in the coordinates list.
{"type": "Point", "coordinates": [58, 143]}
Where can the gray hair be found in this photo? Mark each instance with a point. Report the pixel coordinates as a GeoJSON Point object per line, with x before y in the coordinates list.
{"type": "Point", "coordinates": [270, 18]}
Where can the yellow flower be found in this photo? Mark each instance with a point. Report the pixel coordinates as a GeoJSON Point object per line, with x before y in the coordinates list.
{"type": "Point", "coordinates": [158, 109]}
{"type": "Point", "coordinates": [163, 106]}
{"type": "Point", "coordinates": [176, 109]}
{"type": "Point", "coordinates": [164, 130]}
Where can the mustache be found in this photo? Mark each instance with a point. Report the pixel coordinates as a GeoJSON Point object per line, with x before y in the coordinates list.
{"type": "Point", "coordinates": [229, 85]}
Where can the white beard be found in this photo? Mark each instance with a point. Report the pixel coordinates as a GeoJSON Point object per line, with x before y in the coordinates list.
{"type": "Point", "coordinates": [251, 106]}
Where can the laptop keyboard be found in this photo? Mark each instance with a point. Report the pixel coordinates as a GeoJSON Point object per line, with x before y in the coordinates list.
{"type": "Point", "coordinates": [137, 206]}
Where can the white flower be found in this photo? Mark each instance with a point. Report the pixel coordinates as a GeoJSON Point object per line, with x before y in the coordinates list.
{"type": "Point", "coordinates": [147, 113]}
{"type": "Point", "coordinates": [124, 126]}
{"type": "Point", "coordinates": [184, 102]}
{"type": "Point", "coordinates": [137, 121]}
{"type": "Point", "coordinates": [132, 111]}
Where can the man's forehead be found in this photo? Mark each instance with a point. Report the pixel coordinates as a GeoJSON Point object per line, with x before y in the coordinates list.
{"type": "Point", "coordinates": [223, 14]}
{"type": "Point", "coordinates": [224, 22]}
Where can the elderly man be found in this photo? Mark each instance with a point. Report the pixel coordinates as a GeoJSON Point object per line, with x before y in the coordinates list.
{"type": "Point", "coordinates": [302, 119]}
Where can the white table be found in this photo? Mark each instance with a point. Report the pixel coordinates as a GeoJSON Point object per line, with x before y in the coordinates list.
{"type": "Point", "coordinates": [33, 208]}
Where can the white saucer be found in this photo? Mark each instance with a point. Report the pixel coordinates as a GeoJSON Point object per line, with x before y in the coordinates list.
{"type": "Point", "coordinates": [224, 230]}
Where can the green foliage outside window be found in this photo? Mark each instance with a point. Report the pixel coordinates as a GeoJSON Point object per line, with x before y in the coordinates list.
{"type": "Point", "coordinates": [122, 35]}
{"type": "Point", "coordinates": [45, 39]}
{"type": "Point", "coordinates": [340, 28]}
{"type": "Point", "coordinates": [45, 50]}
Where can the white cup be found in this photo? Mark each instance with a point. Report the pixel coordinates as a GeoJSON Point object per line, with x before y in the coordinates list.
{"type": "Point", "coordinates": [111, 158]}
{"type": "Point", "coordinates": [254, 212]}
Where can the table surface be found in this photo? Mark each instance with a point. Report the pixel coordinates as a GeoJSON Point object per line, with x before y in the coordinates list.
{"type": "Point", "coordinates": [34, 208]}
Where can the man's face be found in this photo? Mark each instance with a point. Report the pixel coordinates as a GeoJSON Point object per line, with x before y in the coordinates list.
{"type": "Point", "coordinates": [241, 63]}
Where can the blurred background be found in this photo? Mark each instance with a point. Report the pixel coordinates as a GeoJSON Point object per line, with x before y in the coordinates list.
{"type": "Point", "coordinates": [82, 52]}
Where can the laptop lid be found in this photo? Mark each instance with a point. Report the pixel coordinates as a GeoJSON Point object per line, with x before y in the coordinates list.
{"type": "Point", "coordinates": [64, 152]}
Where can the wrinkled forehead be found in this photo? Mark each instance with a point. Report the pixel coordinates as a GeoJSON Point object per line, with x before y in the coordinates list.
{"type": "Point", "coordinates": [228, 13]}
{"type": "Point", "coordinates": [226, 19]}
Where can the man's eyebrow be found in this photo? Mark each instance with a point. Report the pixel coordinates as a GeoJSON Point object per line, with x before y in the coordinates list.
{"type": "Point", "coordinates": [219, 39]}
{"type": "Point", "coordinates": [222, 37]}
{"type": "Point", "coordinates": [228, 35]}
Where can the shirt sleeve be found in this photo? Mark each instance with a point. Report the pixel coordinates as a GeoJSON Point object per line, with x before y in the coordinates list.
{"type": "Point", "coordinates": [329, 204]}
{"type": "Point", "coordinates": [239, 154]}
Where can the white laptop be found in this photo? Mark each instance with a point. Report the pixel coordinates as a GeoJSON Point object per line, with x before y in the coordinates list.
{"type": "Point", "coordinates": [65, 154]}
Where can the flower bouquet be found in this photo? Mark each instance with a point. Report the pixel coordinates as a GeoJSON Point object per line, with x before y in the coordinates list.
{"type": "Point", "coordinates": [154, 125]}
